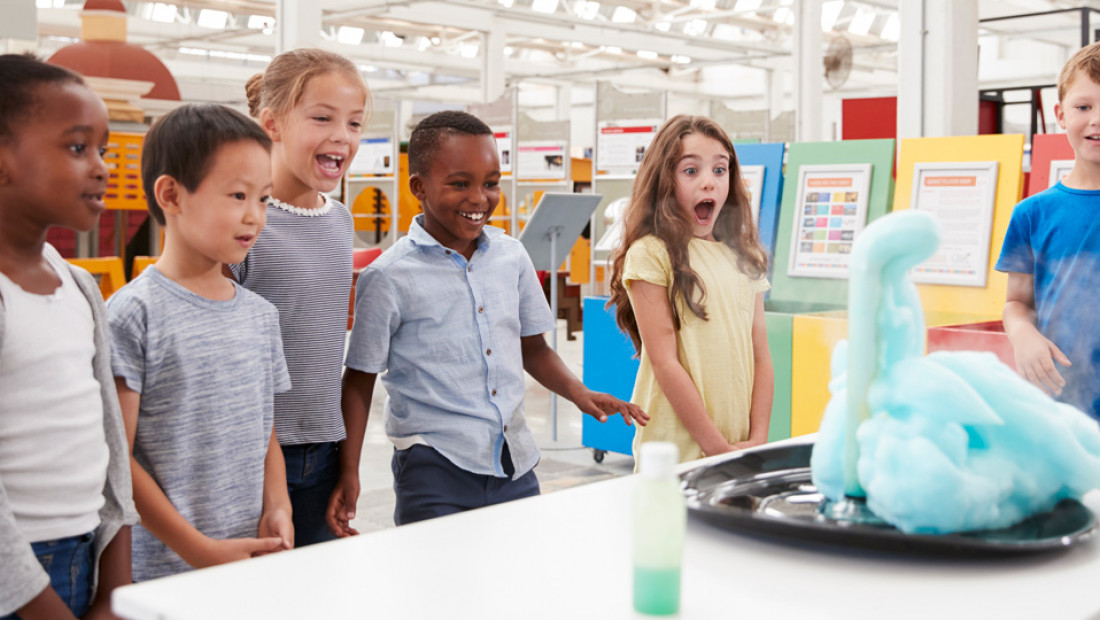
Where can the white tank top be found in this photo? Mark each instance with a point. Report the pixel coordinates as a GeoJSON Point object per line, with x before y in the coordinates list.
{"type": "Point", "coordinates": [53, 452]}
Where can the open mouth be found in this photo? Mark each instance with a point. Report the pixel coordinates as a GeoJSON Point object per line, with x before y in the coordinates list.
{"type": "Point", "coordinates": [330, 164]}
{"type": "Point", "coordinates": [704, 210]}
{"type": "Point", "coordinates": [96, 198]}
{"type": "Point", "coordinates": [474, 216]}
{"type": "Point", "coordinates": [245, 240]}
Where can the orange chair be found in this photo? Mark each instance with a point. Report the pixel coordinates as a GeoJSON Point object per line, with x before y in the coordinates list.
{"type": "Point", "coordinates": [107, 269]}
{"type": "Point", "coordinates": [140, 263]}
{"type": "Point", "coordinates": [359, 261]}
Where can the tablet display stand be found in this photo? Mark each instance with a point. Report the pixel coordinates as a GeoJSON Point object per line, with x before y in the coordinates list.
{"type": "Point", "coordinates": [558, 219]}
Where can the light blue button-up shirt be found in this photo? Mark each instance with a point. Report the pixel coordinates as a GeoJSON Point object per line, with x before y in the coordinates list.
{"type": "Point", "coordinates": [447, 331]}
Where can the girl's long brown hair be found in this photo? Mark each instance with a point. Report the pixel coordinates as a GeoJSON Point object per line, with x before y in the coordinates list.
{"type": "Point", "coordinates": [653, 211]}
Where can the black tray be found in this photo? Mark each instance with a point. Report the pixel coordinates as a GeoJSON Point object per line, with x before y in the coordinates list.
{"type": "Point", "coordinates": [769, 491]}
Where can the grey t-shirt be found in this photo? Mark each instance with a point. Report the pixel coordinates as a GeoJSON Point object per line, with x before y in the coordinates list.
{"type": "Point", "coordinates": [207, 372]}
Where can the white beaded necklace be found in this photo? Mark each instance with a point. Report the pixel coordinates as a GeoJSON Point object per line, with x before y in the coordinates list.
{"type": "Point", "coordinates": [323, 209]}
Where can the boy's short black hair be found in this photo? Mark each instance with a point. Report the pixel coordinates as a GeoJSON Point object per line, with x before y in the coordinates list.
{"type": "Point", "coordinates": [182, 144]}
{"type": "Point", "coordinates": [426, 136]}
{"type": "Point", "coordinates": [21, 75]}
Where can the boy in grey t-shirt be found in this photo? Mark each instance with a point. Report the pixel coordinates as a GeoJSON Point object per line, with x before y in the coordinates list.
{"type": "Point", "coordinates": [198, 359]}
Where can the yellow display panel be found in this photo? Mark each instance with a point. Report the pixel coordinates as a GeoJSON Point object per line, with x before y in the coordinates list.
{"type": "Point", "coordinates": [123, 158]}
{"type": "Point", "coordinates": [1007, 151]}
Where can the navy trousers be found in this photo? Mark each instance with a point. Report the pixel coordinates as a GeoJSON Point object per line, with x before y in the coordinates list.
{"type": "Point", "coordinates": [428, 485]}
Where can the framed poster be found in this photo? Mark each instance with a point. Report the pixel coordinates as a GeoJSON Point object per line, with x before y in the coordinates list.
{"type": "Point", "coordinates": [960, 195]}
{"type": "Point", "coordinates": [374, 157]}
{"type": "Point", "coordinates": [831, 210]}
{"type": "Point", "coordinates": [1059, 168]}
{"type": "Point", "coordinates": [620, 146]}
{"type": "Point", "coordinates": [753, 178]}
{"type": "Point", "coordinates": [504, 149]}
{"type": "Point", "coordinates": [541, 160]}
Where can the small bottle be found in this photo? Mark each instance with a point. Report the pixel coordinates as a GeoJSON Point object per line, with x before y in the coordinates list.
{"type": "Point", "coordinates": [660, 517]}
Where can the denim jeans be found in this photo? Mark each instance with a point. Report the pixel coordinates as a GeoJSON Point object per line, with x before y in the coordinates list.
{"type": "Point", "coordinates": [312, 471]}
{"type": "Point", "coordinates": [69, 563]}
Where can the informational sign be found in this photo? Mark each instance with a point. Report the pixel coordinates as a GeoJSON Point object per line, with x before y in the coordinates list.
{"type": "Point", "coordinates": [753, 178]}
{"type": "Point", "coordinates": [620, 146]}
{"type": "Point", "coordinates": [831, 211]}
{"type": "Point", "coordinates": [960, 195]}
{"type": "Point", "coordinates": [375, 157]}
{"type": "Point", "coordinates": [1059, 168]}
{"type": "Point", "coordinates": [504, 149]}
{"type": "Point", "coordinates": [541, 160]}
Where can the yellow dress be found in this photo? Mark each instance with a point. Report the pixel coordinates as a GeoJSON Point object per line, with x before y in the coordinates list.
{"type": "Point", "coordinates": [717, 353]}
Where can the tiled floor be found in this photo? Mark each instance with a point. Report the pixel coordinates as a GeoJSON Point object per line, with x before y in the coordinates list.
{"type": "Point", "coordinates": [565, 463]}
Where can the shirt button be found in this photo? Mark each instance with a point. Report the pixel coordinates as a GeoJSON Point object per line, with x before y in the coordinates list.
{"type": "Point", "coordinates": [505, 428]}
{"type": "Point", "coordinates": [488, 351]}
{"type": "Point", "coordinates": [480, 309]}
{"type": "Point", "coordinates": [494, 393]}
{"type": "Point", "coordinates": [448, 252]}
{"type": "Point", "coordinates": [469, 268]}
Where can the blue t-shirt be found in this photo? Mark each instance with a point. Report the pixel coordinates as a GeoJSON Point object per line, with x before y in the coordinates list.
{"type": "Point", "coordinates": [1055, 236]}
{"type": "Point", "coordinates": [207, 372]}
{"type": "Point", "coordinates": [447, 331]}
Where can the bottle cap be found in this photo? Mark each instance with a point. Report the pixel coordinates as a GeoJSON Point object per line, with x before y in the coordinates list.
{"type": "Point", "coordinates": [658, 459]}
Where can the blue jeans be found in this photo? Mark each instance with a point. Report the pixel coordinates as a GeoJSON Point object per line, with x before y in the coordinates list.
{"type": "Point", "coordinates": [312, 470]}
{"type": "Point", "coordinates": [69, 563]}
{"type": "Point", "coordinates": [428, 485]}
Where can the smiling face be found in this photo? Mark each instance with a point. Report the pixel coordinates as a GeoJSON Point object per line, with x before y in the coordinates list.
{"type": "Point", "coordinates": [702, 182]}
{"type": "Point", "coordinates": [1079, 114]}
{"type": "Point", "coordinates": [460, 191]}
{"type": "Point", "coordinates": [53, 167]}
{"type": "Point", "coordinates": [221, 219]}
{"type": "Point", "coordinates": [318, 138]}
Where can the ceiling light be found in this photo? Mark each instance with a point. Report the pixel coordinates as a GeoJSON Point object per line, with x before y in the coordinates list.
{"type": "Point", "coordinates": [747, 5]}
{"type": "Point", "coordinates": [647, 54]}
{"type": "Point", "coordinates": [422, 43]}
{"type": "Point", "coordinates": [390, 39]}
{"type": "Point", "coordinates": [612, 49]}
{"type": "Point", "coordinates": [830, 11]}
{"type": "Point", "coordinates": [586, 10]}
{"type": "Point", "coordinates": [506, 3]}
{"type": "Point", "coordinates": [544, 6]}
{"type": "Point", "coordinates": [623, 15]}
{"type": "Point", "coordinates": [891, 31]}
{"type": "Point", "coordinates": [662, 26]}
{"type": "Point", "coordinates": [164, 13]}
{"type": "Point", "coordinates": [349, 35]}
{"type": "Point", "coordinates": [468, 50]}
{"type": "Point", "coordinates": [703, 4]}
{"type": "Point", "coordinates": [681, 60]}
{"type": "Point", "coordinates": [695, 27]}
{"type": "Point", "coordinates": [211, 18]}
{"type": "Point", "coordinates": [260, 22]}
{"type": "Point", "coordinates": [861, 23]}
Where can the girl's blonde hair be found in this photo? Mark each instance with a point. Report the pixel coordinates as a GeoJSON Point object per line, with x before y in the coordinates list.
{"type": "Point", "coordinates": [653, 211]}
{"type": "Point", "coordinates": [281, 86]}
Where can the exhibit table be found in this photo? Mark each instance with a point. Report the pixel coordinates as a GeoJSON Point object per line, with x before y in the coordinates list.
{"type": "Point", "coordinates": [567, 555]}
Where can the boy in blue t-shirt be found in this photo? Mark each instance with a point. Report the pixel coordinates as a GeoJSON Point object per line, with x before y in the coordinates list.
{"type": "Point", "coordinates": [454, 313]}
{"type": "Point", "coordinates": [197, 358]}
{"type": "Point", "coordinates": [1051, 251]}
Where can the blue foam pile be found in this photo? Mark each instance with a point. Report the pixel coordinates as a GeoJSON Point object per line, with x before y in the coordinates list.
{"type": "Point", "coordinates": [957, 441]}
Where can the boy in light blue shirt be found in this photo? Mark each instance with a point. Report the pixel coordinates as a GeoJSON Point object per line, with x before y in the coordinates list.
{"type": "Point", "coordinates": [455, 314]}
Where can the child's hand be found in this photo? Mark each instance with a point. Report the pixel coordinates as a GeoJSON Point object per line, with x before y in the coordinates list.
{"type": "Point", "coordinates": [748, 443]}
{"type": "Point", "coordinates": [599, 405]}
{"type": "Point", "coordinates": [1035, 356]}
{"type": "Point", "coordinates": [101, 610]}
{"type": "Point", "coordinates": [276, 523]}
{"type": "Point", "coordinates": [341, 506]}
{"type": "Point", "coordinates": [225, 550]}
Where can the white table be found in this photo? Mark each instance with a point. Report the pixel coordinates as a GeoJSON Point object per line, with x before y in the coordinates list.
{"type": "Point", "coordinates": [567, 555]}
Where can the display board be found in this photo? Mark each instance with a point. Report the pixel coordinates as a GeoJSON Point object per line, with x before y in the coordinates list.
{"type": "Point", "coordinates": [986, 301]}
{"type": "Point", "coordinates": [769, 158]}
{"type": "Point", "coordinates": [831, 209]}
{"type": "Point", "coordinates": [620, 146]}
{"type": "Point", "coordinates": [371, 187]}
{"type": "Point", "coordinates": [1059, 168]}
{"type": "Point", "coordinates": [1046, 148]}
{"type": "Point", "coordinates": [879, 155]}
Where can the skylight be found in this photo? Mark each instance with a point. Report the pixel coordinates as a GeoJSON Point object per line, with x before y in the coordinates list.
{"type": "Point", "coordinates": [212, 18]}
{"type": "Point", "coordinates": [623, 15]}
{"type": "Point", "coordinates": [349, 35]}
{"type": "Point", "coordinates": [544, 6]}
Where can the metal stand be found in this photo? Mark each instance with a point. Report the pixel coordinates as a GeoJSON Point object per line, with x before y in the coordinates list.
{"type": "Point", "coordinates": [554, 233]}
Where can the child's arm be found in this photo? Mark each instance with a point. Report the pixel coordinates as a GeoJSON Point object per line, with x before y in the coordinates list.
{"type": "Point", "coordinates": [1035, 354]}
{"type": "Point", "coordinates": [276, 518]}
{"type": "Point", "coordinates": [355, 400]}
{"type": "Point", "coordinates": [543, 363]}
{"type": "Point", "coordinates": [763, 383]}
{"type": "Point", "coordinates": [114, 571]}
{"type": "Point", "coordinates": [658, 332]}
{"type": "Point", "coordinates": [160, 517]}
{"type": "Point", "coordinates": [46, 606]}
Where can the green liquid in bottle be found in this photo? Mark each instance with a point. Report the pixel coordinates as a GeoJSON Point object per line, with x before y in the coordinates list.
{"type": "Point", "coordinates": [656, 590]}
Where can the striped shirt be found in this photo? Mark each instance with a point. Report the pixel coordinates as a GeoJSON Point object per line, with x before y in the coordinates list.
{"type": "Point", "coordinates": [302, 264]}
